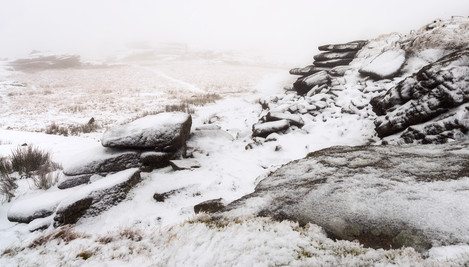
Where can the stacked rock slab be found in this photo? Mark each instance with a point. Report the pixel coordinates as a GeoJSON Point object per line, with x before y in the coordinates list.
{"type": "Point", "coordinates": [325, 64]}
{"type": "Point", "coordinates": [429, 106]}
{"type": "Point", "coordinates": [146, 143]}
{"type": "Point", "coordinates": [317, 85]}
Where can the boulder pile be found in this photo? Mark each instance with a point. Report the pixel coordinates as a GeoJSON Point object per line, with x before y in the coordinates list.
{"type": "Point", "coordinates": [414, 88]}
{"type": "Point", "coordinates": [146, 143]}
{"type": "Point", "coordinates": [331, 62]}
{"type": "Point", "coordinates": [102, 176]}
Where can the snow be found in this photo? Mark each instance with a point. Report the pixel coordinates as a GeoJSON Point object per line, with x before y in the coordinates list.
{"type": "Point", "coordinates": [227, 169]}
{"type": "Point", "coordinates": [41, 202]}
{"type": "Point", "coordinates": [386, 64]}
{"type": "Point", "coordinates": [87, 161]}
{"type": "Point", "coordinates": [107, 182]}
{"type": "Point", "coordinates": [149, 131]}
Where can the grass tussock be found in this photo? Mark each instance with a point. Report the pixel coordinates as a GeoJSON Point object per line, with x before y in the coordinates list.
{"type": "Point", "coordinates": [27, 162]}
{"type": "Point", "coordinates": [202, 100]}
{"type": "Point", "coordinates": [74, 129]}
{"type": "Point", "coordinates": [64, 234]}
{"type": "Point", "coordinates": [7, 183]}
{"type": "Point", "coordinates": [28, 159]}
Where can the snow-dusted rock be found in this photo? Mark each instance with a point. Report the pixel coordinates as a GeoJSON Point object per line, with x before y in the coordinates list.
{"type": "Point", "coordinates": [308, 70]}
{"type": "Point", "coordinates": [266, 128]}
{"type": "Point", "coordinates": [350, 46]}
{"type": "Point", "coordinates": [334, 55]}
{"type": "Point", "coordinates": [38, 206]}
{"type": "Point", "coordinates": [102, 160]}
{"type": "Point", "coordinates": [209, 206]}
{"type": "Point", "coordinates": [184, 164]}
{"type": "Point", "coordinates": [92, 199]}
{"type": "Point", "coordinates": [303, 85]}
{"type": "Point", "coordinates": [66, 181]}
{"type": "Point", "coordinates": [383, 196]}
{"type": "Point", "coordinates": [434, 90]}
{"type": "Point", "coordinates": [165, 132]}
{"type": "Point", "coordinates": [339, 70]}
{"type": "Point", "coordinates": [385, 65]}
{"type": "Point", "coordinates": [450, 126]}
{"type": "Point", "coordinates": [152, 160]}
{"type": "Point", "coordinates": [293, 119]}
{"type": "Point", "coordinates": [333, 62]}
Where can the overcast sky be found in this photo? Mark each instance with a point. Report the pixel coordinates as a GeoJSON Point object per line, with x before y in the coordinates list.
{"type": "Point", "coordinates": [287, 29]}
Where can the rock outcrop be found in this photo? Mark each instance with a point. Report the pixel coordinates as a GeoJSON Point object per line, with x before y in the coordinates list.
{"type": "Point", "coordinates": [436, 89]}
{"type": "Point", "coordinates": [383, 196]}
{"type": "Point", "coordinates": [97, 197]}
{"type": "Point", "coordinates": [413, 87]}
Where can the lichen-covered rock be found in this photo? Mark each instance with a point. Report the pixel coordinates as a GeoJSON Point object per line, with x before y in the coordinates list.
{"type": "Point", "coordinates": [434, 90]}
{"type": "Point", "coordinates": [164, 132]}
{"type": "Point", "coordinates": [97, 197]}
{"type": "Point", "coordinates": [383, 196]}
{"type": "Point", "coordinates": [385, 65]}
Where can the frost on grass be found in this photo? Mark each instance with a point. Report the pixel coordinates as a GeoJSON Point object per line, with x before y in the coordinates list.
{"type": "Point", "coordinates": [246, 242]}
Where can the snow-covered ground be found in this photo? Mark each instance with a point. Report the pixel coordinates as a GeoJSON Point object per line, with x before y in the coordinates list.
{"type": "Point", "coordinates": [141, 231]}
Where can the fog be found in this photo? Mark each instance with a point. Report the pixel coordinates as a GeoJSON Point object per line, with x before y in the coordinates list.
{"type": "Point", "coordinates": [286, 30]}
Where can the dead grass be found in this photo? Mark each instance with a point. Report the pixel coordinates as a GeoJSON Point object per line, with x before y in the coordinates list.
{"type": "Point", "coordinates": [7, 183]}
{"type": "Point", "coordinates": [64, 234]}
{"type": "Point", "coordinates": [25, 160]}
{"type": "Point", "coordinates": [74, 129]}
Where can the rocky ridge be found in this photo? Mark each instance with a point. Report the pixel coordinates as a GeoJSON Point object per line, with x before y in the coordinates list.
{"type": "Point", "coordinates": [414, 87]}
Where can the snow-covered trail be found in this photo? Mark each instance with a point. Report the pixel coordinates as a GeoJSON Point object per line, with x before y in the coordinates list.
{"type": "Point", "coordinates": [186, 85]}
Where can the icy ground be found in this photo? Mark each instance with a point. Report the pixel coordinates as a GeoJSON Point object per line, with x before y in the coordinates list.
{"type": "Point", "coordinates": [141, 231]}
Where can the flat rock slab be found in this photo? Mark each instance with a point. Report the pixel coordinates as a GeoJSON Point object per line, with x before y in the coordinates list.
{"type": "Point", "coordinates": [385, 65]}
{"type": "Point", "coordinates": [383, 196]}
{"type": "Point", "coordinates": [102, 160]}
{"type": "Point", "coordinates": [303, 85]}
{"type": "Point", "coordinates": [308, 70]}
{"type": "Point", "coordinates": [266, 128]}
{"type": "Point", "coordinates": [38, 206]}
{"type": "Point", "coordinates": [164, 132]}
{"type": "Point", "coordinates": [333, 62]}
{"type": "Point", "coordinates": [293, 119]}
{"type": "Point", "coordinates": [92, 199]}
{"type": "Point", "coordinates": [334, 55]}
{"type": "Point", "coordinates": [66, 181]}
{"type": "Point", "coordinates": [184, 164]}
{"type": "Point", "coordinates": [350, 46]}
